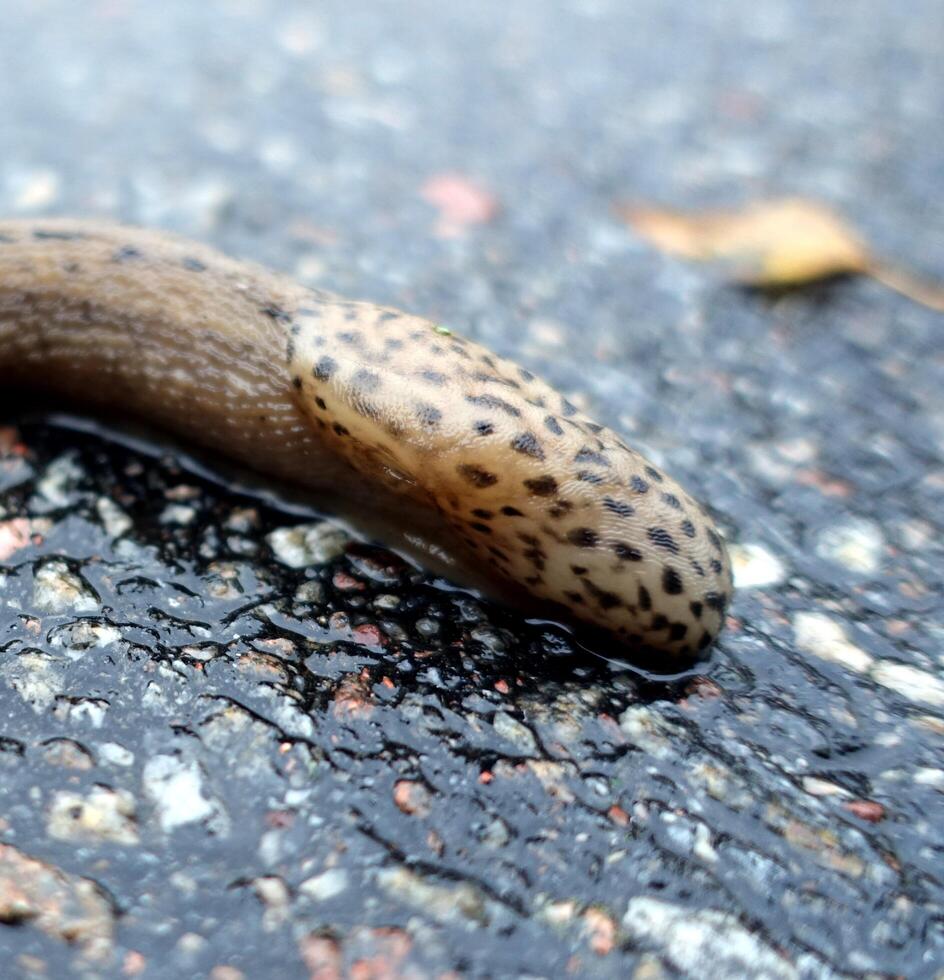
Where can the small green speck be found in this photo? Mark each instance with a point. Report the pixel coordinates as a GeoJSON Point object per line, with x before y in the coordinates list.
{"type": "Point", "coordinates": [440, 329]}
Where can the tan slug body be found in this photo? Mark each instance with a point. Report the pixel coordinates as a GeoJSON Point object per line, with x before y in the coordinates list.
{"type": "Point", "coordinates": [385, 410]}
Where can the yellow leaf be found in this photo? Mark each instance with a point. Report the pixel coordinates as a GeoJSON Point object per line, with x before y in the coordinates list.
{"type": "Point", "coordinates": [774, 244]}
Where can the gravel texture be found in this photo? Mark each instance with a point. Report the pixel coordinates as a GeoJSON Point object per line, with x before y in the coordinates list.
{"type": "Point", "coordinates": [235, 744]}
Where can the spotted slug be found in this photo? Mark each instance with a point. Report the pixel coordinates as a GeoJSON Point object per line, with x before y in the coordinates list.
{"type": "Point", "coordinates": [388, 412]}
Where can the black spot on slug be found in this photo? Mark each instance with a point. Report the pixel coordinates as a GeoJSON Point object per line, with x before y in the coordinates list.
{"type": "Point", "coordinates": [492, 401]}
{"type": "Point", "coordinates": [587, 455]}
{"type": "Point", "coordinates": [677, 632]}
{"type": "Point", "coordinates": [536, 557]}
{"type": "Point", "coordinates": [365, 381]}
{"type": "Point", "coordinates": [41, 234]}
{"type": "Point", "coordinates": [525, 442]}
{"type": "Point", "coordinates": [583, 537]}
{"type": "Point", "coordinates": [126, 253]}
{"type": "Point", "coordinates": [626, 551]}
{"type": "Point", "coordinates": [716, 600]}
{"type": "Point", "coordinates": [476, 475]}
{"type": "Point", "coordinates": [553, 425]}
{"type": "Point", "coordinates": [618, 507]}
{"type": "Point", "coordinates": [428, 415]}
{"type": "Point", "coordinates": [324, 368]}
{"type": "Point", "coordinates": [277, 313]}
{"type": "Point", "coordinates": [606, 600]}
{"type": "Point", "coordinates": [662, 539]}
{"type": "Point", "coordinates": [568, 408]}
{"type": "Point", "coordinates": [671, 582]}
{"type": "Point", "coordinates": [542, 486]}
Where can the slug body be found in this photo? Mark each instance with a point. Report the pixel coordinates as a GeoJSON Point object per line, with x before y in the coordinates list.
{"type": "Point", "coordinates": [383, 410]}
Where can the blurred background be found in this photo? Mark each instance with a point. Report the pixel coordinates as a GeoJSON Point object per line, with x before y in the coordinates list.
{"type": "Point", "coordinates": [779, 815]}
{"type": "Point", "coordinates": [319, 131]}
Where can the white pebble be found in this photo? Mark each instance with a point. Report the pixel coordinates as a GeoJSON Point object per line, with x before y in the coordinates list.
{"type": "Point", "coordinates": [930, 777]}
{"type": "Point", "coordinates": [912, 683]}
{"type": "Point", "coordinates": [703, 942]}
{"type": "Point", "coordinates": [175, 787]}
{"type": "Point", "coordinates": [177, 514]}
{"type": "Point", "coordinates": [755, 567]}
{"type": "Point", "coordinates": [104, 814]}
{"type": "Point", "coordinates": [307, 544]}
{"type": "Point", "coordinates": [113, 518]}
{"type": "Point", "coordinates": [324, 886]}
{"type": "Point", "coordinates": [58, 590]}
{"type": "Point", "coordinates": [115, 754]}
{"type": "Point", "coordinates": [855, 544]}
{"type": "Point", "coordinates": [512, 730]}
{"type": "Point", "coordinates": [825, 638]}
{"type": "Point", "coordinates": [54, 487]}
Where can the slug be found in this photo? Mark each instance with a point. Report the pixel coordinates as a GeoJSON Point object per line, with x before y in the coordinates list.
{"type": "Point", "coordinates": [388, 412]}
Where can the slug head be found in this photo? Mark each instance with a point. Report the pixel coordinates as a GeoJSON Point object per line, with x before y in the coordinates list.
{"type": "Point", "coordinates": [541, 498]}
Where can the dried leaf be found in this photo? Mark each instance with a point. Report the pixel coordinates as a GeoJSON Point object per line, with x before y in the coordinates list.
{"type": "Point", "coordinates": [774, 244]}
{"type": "Point", "coordinates": [926, 293]}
